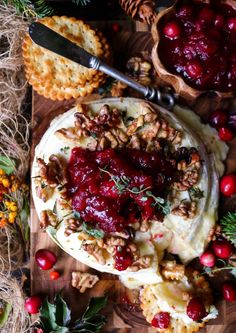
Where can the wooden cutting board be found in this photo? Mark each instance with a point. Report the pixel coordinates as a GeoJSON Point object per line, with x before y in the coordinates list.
{"type": "Point", "coordinates": [121, 318]}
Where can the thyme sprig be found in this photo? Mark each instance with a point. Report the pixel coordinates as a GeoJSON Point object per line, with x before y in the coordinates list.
{"type": "Point", "coordinates": [122, 183]}
{"type": "Point", "coordinates": [228, 223]}
{"type": "Point", "coordinates": [195, 193]}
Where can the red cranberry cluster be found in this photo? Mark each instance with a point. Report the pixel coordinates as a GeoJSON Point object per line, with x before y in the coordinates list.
{"type": "Point", "coordinates": [198, 42]}
{"type": "Point", "coordinates": [222, 249]}
{"type": "Point", "coordinates": [225, 123]}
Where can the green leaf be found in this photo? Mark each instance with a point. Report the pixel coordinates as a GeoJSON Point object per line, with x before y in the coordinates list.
{"type": "Point", "coordinates": [96, 304]}
{"type": "Point", "coordinates": [81, 2]}
{"type": "Point", "coordinates": [77, 215]}
{"type": "Point", "coordinates": [228, 223]}
{"type": "Point", "coordinates": [7, 164]}
{"type": "Point", "coordinates": [63, 313]}
{"type": "Point", "coordinates": [92, 232]}
{"type": "Point", "coordinates": [196, 193]}
{"type": "Point", "coordinates": [24, 216]}
{"type": "Point", "coordinates": [48, 316]}
{"type": "Point", "coordinates": [4, 316]}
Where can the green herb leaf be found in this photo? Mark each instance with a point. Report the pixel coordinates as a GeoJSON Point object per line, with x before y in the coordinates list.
{"type": "Point", "coordinates": [77, 215]}
{"type": "Point", "coordinates": [92, 231]}
{"type": "Point", "coordinates": [63, 313]}
{"type": "Point", "coordinates": [228, 223]}
{"type": "Point", "coordinates": [93, 135]}
{"type": "Point", "coordinates": [7, 164]}
{"type": "Point", "coordinates": [5, 314]}
{"type": "Point", "coordinates": [196, 193]}
{"type": "Point", "coordinates": [65, 149]}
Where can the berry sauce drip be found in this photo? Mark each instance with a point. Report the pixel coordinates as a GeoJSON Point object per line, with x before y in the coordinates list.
{"type": "Point", "coordinates": [198, 42]}
{"type": "Point", "coordinates": [108, 188]}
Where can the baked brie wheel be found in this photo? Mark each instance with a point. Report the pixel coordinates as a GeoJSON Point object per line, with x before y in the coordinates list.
{"type": "Point", "coordinates": [117, 183]}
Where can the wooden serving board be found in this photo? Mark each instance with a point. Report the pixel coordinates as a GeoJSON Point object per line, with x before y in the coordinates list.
{"type": "Point", "coordinates": [120, 317]}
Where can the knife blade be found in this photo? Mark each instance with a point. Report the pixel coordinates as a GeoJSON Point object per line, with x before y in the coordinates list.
{"type": "Point", "coordinates": [51, 40]}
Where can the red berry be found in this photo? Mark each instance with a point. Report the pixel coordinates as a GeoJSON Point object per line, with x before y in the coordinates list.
{"type": "Point", "coordinates": [45, 259]}
{"type": "Point", "coordinates": [172, 30]}
{"type": "Point", "coordinates": [219, 21]}
{"type": "Point", "coordinates": [32, 304]}
{"type": "Point", "coordinates": [222, 248]}
{"type": "Point", "coordinates": [206, 15]}
{"type": "Point", "coordinates": [161, 320]}
{"type": "Point", "coordinates": [225, 134]}
{"type": "Point", "coordinates": [208, 259]}
{"type": "Point", "coordinates": [232, 23]}
{"type": "Point", "coordinates": [194, 69]}
{"type": "Point", "coordinates": [229, 291]}
{"type": "Point", "coordinates": [218, 118]}
{"type": "Point", "coordinates": [228, 185]}
{"type": "Point", "coordinates": [196, 309]}
{"type": "Point", "coordinates": [54, 275]}
{"type": "Point", "coordinates": [123, 258]}
{"type": "Point", "coordinates": [116, 27]}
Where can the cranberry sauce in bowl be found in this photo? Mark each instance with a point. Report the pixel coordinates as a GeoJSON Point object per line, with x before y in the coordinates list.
{"type": "Point", "coordinates": [114, 189]}
{"type": "Point", "coordinates": [198, 43]}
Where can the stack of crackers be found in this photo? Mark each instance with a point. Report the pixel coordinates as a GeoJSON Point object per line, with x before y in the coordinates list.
{"type": "Point", "coordinates": [56, 77]}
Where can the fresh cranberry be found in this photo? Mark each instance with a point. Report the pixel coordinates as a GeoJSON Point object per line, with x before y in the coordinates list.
{"type": "Point", "coordinates": [54, 275]}
{"type": "Point", "coordinates": [33, 304]}
{"type": "Point", "coordinates": [161, 320]}
{"type": "Point", "coordinates": [225, 134]}
{"type": "Point", "coordinates": [194, 69]}
{"type": "Point", "coordinates": [196, 309]}
{"type": "Point", "coordinates": [232, 23]}
{"type": "Point", "coordinates": [229, 291]}
{"type": "Point", "coordinates": [208, 259]}
{"type": "Point", "coordinates": [123, 258]}
{"type": "Point", "coordinates": [218, 118]}
{"type": "Point", "coordinates": [219, 21]}
{"type": "Point", "coordinates": [222, 248]}
{"type": "Point", "coordinates": [45, 259]}
{"type": "Point", "coordinates": [206, 15]}
{"type": "Point", "coordinates": [228, 185]}
{"type": "Point", "coordinates": [172, 30]}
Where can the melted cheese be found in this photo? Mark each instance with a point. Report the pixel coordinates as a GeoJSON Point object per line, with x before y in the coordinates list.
{"type": "Point", "coordinates": [185, 238]}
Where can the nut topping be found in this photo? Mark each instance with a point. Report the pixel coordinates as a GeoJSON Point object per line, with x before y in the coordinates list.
{"type": "Point", "coordinates": [83, 281]}
{"type": "Point", "coordinates": [186, 209]}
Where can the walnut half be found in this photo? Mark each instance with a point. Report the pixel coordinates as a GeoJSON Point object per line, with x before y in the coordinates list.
{"type": "Point", "coordinates": [83, 281]}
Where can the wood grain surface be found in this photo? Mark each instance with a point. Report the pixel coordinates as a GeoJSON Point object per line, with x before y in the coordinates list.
{"type": "Point", "coordinates": [121, 318]}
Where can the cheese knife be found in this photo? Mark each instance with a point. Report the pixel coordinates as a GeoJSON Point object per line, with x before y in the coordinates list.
{"type": "Point", "coordinates": [51, 40]}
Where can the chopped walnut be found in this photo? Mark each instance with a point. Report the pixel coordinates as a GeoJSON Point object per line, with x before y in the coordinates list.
{"type": "Point", "coordinates": [43, 191]}
{"type": "Point", "coordinates": [53, 173]}
{"type": "Point", "coordinates": [94, 250]}
{"type": "Point", "coordinates": [171, 270]}
{"type": "Point", "coordinates": [112, 242]}
{"type": "Point", "coordinates": [186, 209]}
{"type": "Point", "coordinates": [135, 142]}
{"type": "Point", "coordinates": [72, 225]}
{"type": "Point", "coordinates": [71, 134]}
{"type": "Point", "coordinates": [47, 217]}
{"type": "Point", "coordinates": [83, 281]}
{"type": "Point", "coordinates": [139, 69]}
{"type": "Point", "coordinates": [141, 263]}
{"type": "Point", "coordinates": [145, 225]}
{"type": "Point", "coordinates": [135, 124]}
{"type": "Point", "coordinates": [118, 89]}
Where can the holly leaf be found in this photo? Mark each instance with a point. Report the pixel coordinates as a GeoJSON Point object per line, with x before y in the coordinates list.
{"type": "Point", "coordinates": [63, 313]}
{"type": "Point", "coordinates": [5, 314]}
{"type": "Point", "coordinates": [47, 316]}
{"type": "Point", "coordinates": [96, 304]}
{"type": "Point", "coordinates": [7, 164]}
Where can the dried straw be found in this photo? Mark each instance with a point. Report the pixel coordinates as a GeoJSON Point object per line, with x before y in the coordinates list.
{"type": "Point", "coordinates": [14, 143]}
{"type": "Point", "coordinates": [14, 127]}
{"type": "Point", "coordinates": [11, 292]}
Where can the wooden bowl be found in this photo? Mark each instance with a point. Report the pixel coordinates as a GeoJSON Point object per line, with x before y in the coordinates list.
{"type": "Point", "coordinates": [177, 82]}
